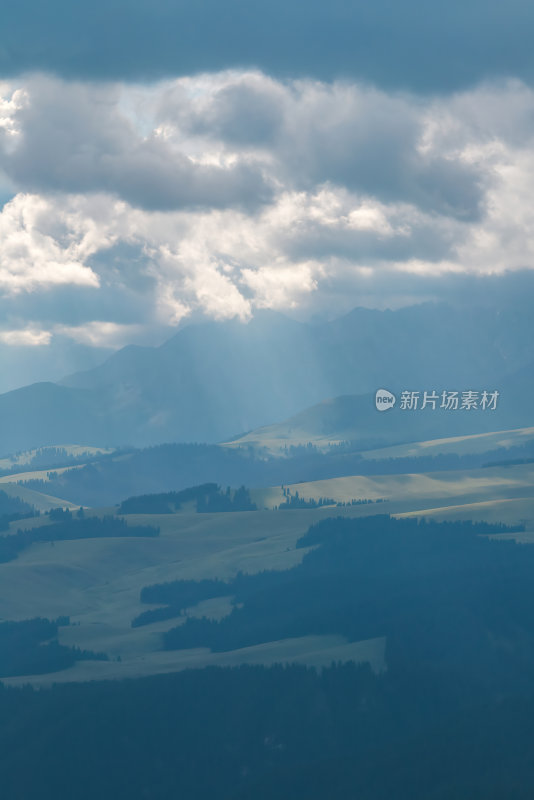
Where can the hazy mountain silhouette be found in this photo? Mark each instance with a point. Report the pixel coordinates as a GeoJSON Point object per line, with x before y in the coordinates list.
{"type": "Point", "coordinates": [212, 381]}
{"type": "Point", "coordinates": [354, 419]}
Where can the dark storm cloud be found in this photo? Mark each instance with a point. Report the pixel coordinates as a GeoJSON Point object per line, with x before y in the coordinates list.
{"type": "Point", "coordinates": [374, 151]}
{"type": "Point", "coordinates": [343, 133]}
{"type": "Point", "coordinates": [74, 139]}
{"type": "Point", "coordinates": [82, 138]}
{"type": "Point", "coordinates": [248, 113]}
{"type": "Point", "coordinates": [416, 44]}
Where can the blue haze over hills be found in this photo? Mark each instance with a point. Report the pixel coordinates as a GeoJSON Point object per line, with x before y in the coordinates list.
{"type": "Point", "coordinates": [215, 380]}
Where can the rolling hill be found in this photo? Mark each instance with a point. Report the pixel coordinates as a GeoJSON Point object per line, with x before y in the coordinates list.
{"type": "Point", "coordinates": [354, 419]}
{"type": "Point", "coordinates": [97, 581]}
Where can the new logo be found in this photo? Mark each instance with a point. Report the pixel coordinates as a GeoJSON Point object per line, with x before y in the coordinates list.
{"type": "Point", "coordinates": [384, 400]}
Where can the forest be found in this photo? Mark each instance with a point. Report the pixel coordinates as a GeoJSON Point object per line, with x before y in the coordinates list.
{"type": "Point", "coordinates": [65, 526]}
{"type": "Point", "coordinates": [449, 717]}
{"type": "Point", "coordinates": [173, 467]}
{"type": "Point", "coordinates": [256, 733]}
{"type": "Point", "coordinates": [448, 594]}
{"type": "Point", "coordinates": [13, 509]}
{"type": "Point", "coordinates": [30, 647]}
{"type": "Point", "coordinates": [208, 497]}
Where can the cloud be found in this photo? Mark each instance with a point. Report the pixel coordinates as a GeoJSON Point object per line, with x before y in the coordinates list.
{"type": "Point", "coordinates": [280, 287]}
{"type": "Point", "coordinates": [413, 44]}
{"type": "Point", "coordinates": [231, 141]}
{"type": "Point", "coordinates": [246, 109]}
{"type": "Point", "coordinates": [99, 333]}
{"type": "Point", "coordinates": [76, 138]}
{"type": "Point", "coordinates": [25, 337]}
{"type": "Point", "coordinates": [373, 198]}
{"type": "Point", "coordinates": [307, 133]}
{"type": "Point", "coordinates": [33, 250]}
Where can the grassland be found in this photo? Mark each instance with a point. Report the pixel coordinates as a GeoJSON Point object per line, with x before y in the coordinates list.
{"type": "Point", "coordinates": [40, 500]}
{"type": "Point", "coordinates": [457, 445]}
{"type": "Point", "coordinates": [276, 439]}
{"type": "Point", "coordinates": [455, 487]}
{"type": "Point", "coordinates": [74, 450]}
{"type": "Point", "coordinates": [316, 651]}
{"type": "Point", "coordinates": [272, 440]}
{"type": "Point", "coordinates": [36, 475]}
{"type": "Point", "coordinates": [97, 582]}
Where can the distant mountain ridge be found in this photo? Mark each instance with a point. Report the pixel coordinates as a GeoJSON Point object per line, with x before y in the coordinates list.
{"type": "Point", "coordinates": [354, 419]}
{"type": "Point", "coordinates": [212, 381]}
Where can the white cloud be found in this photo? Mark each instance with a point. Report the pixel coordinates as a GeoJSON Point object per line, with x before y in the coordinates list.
{"type": "Point", "coordinates": [98, 333]}
{"type": "Point", "coordinates": [25, 337]}
{"type": "Point", "coordinates": [11, 101]}
{"type": "Point", "coordinates": [39, 249]}
{"type": "Point", "coordinates": [282, 287]}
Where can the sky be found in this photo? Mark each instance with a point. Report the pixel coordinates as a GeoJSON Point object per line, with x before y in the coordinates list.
{"type": "Point", "coordinates": [167, 162]}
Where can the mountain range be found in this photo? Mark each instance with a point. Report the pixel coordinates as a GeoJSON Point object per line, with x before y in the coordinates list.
{"type": "Point", "coordinates": [213, 381]}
